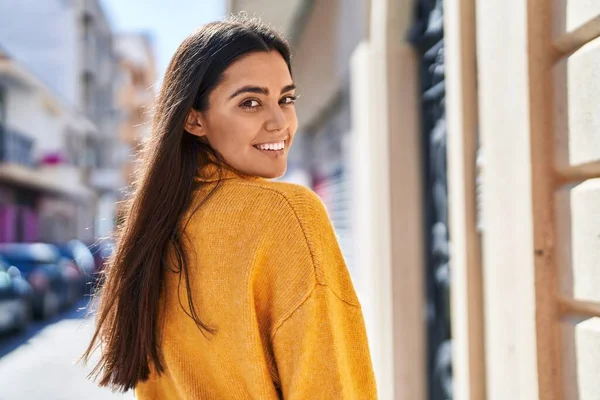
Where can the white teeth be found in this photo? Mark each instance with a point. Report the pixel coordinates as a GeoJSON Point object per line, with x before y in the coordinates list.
{"type": "Point", "coordinates": [271, 146]}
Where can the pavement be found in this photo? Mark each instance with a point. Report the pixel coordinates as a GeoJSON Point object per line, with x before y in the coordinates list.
{"type": "Point", "coordinates": [41, 363]}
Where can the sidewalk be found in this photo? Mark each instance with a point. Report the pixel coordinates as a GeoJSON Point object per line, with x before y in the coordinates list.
{"type": "Point", "coordinates": [44, 368]}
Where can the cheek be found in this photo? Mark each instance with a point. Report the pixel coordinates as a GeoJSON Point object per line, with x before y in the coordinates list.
{"type": "Point", "coordinates": [292, 121]}
{"type": "Point", "coordinates": [232, 131]}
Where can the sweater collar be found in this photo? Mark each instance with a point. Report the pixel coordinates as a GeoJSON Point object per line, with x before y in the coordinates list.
{"type": "Point", "coordinates": [212, 171]}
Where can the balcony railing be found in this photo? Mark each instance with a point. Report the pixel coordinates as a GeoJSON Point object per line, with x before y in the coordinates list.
{"type": "Point", "coordinates": [15, 147]}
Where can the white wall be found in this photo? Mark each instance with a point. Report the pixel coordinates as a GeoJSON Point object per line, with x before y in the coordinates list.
{"type": "Point", "coordinates": [43, 36]}
{"type": "Point", "coordinates": [105, 216]}
{"type": "Point", "coordinates": [28, 113]}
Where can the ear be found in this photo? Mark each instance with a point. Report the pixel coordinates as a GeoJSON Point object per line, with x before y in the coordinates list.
{"type": "Point", "coordinates": [194, 123]}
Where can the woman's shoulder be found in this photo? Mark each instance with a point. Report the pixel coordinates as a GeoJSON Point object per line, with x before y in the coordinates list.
{"type": "Point", "coordinates": [297, 221]}
{"type": "Point", "coordinates": [283, 196]}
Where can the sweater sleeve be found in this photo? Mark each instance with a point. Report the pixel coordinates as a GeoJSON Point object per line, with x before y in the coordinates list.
{"type": "Point", "coordinates": [321, 350]}
{"type": "Point", "coordinates": [320, 344]}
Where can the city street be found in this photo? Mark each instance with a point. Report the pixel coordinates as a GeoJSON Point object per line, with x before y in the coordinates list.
{"type": "Point", "coordinates": [41, 362]}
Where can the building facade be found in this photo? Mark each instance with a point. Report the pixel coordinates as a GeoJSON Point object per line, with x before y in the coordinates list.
{"type": "Point", "coordinates": [59, 92]}
{"type": "Point", "coordinates": [135, 98]}
{"type": "Point", "coordinates": [136, 94]}
{"type": "Point", "coordinates": [97, 73]}
{"type": "Point", "coordinates": [43, 197]}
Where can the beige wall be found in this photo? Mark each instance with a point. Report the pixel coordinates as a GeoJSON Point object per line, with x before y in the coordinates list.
{"type": "Point", "coordinates": [538, 103]}
{"type": "Point", "coordinates": [135, 97]}
{"type": "Point", "coordinates": [388, 204]}
{"type": "Point", "coordinates": [576, 127]}
{"type": "Point", "coordinates": [322, 54]}
{"type": "Point", "coordinates": [468, 356]}
{"type": "Point", "coordinates": [281, 14]}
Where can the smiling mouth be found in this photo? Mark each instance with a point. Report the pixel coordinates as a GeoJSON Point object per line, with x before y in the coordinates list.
{"type": "Point", "coordinates": [273, 146]}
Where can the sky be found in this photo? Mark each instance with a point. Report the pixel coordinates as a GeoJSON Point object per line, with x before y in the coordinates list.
{"type": "Point", "coordinates": [167, 21]}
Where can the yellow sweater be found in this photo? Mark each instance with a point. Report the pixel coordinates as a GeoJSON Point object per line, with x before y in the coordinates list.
{"type": "Point", "coordinates": [266, 271]}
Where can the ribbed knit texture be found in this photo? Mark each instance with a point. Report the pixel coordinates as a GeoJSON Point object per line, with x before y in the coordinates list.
{"type": "Point", "coordinates": [266, 271]}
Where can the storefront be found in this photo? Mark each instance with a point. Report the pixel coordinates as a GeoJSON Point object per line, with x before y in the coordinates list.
{"type": "Point", "coordinates": [32, 208]}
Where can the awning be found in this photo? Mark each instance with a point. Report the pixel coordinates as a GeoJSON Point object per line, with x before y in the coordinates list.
{"type": "Point", "coordinates": [20, 175]}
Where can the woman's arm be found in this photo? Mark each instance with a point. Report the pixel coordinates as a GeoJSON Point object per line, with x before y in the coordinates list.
{"type": "Point", "coordinates": [317, 334]}
{"type": "Point", "coordinates": [321, 350]}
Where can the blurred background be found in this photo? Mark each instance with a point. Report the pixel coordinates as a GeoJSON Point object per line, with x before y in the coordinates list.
{"type": "Point", "coordinates": [455, 143]}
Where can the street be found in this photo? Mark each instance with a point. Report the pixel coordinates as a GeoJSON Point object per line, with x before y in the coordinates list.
{"type": "Point", "coordinates": [41, 362]}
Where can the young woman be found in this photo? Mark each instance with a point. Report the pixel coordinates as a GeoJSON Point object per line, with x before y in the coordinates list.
{"type": "Point", "coordinates": [224, 284]}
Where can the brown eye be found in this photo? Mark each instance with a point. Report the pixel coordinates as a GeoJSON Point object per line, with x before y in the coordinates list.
{"type": "Point", "coordinates": [250, 104]}
{"type": "Point", "coordinates": [288, 100]}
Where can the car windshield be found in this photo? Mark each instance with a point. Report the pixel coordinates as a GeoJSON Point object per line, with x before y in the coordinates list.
{"type": "Point", "coordinates": [28, 256]}
{"type": "Point", "coordinates": [4, 264]}
{"type": "Point", "coordinates": [65, 251]}
{"type": "Point", "coordinates": [25, 266]}
{"type": "Point", "coordinates": [79, 252]}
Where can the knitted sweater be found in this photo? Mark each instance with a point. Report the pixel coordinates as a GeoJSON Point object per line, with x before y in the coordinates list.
{"type": "Point", "coordinates": [267, 273]}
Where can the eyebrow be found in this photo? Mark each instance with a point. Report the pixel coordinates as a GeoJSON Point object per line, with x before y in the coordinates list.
{"type": "Point", "coordinates": [260, 90]}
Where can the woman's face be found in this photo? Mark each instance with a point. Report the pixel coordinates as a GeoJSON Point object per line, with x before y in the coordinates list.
{"type": "Point", "coordinates": [251, 119]}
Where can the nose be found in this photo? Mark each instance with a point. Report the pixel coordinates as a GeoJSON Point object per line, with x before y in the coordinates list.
{"type": "Point", "coordinates": [277, 121]}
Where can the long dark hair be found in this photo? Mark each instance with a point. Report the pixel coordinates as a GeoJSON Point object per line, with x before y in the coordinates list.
{"type": "Point", "coordinates": [129, 294]}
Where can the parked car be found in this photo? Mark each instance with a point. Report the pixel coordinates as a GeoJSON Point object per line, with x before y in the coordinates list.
{"type": "Point", "coordinates": [101, 249]}
{"type": "Point", "coordinates": [52, 282]}
{"type": "Point", "coordinates": [76, 280]}
{"type": "Point", "coordinates": [15, 299]}
{"type": "Point", "coordinates": [82, 259]}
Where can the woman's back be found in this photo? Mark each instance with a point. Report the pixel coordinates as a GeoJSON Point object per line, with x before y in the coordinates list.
{"type": "Point", "coordinates": [267, 274]}
{"type": "Point", "coordinates": [223, 284]}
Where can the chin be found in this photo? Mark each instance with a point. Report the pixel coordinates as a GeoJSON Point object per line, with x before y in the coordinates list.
{"type": "Point", "coordinates": [273, 173]}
